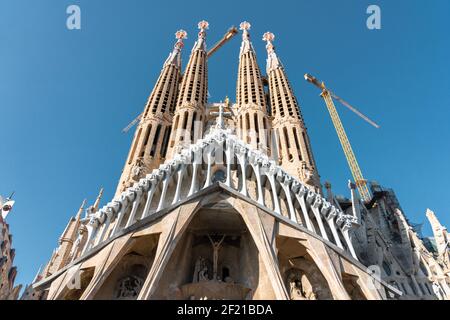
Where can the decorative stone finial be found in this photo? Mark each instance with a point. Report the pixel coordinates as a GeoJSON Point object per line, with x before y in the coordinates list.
{"type": "Point", "coordinates": [269, 37]}
{"type": "Point", "coordinates": [97, 201]}
{"type": "Point", "coordinates": [175, 57]}
{"type": "Point", "coordinates": [245, 26]}
{"type": "Point", "coordinates": [83, 204]}
{"type": "Point", "coordinates": [200, 43]}
{"type": "Point", "coordinates": [272, 60]}
{"type": "Point", "coordinates": [203, 26]}
{"type": "Point", "coordinates": [246, 45]}
{"type": "Point", "coordinates": [180, 35]}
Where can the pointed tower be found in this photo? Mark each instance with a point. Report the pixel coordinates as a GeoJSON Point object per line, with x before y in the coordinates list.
{"type": "Point", "coordinates": [61, 256]}
{"type": "Point", "coordinates": [94, 208]}
{"type": "Point", "coordinates": [294, 149]}
{"type": "Point", "coordinates": [439, 231]}
{"type": "Point", "coordinates": [252, 122]}
{"type": "Point", "coordinates": [149, 146]}
{"type": "Point", "coordinates": [191, 103]}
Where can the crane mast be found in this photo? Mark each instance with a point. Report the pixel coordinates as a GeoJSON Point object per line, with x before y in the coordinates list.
{"type": "Point", "coordinates": [348, 151]}
{"type": "Point", "coordinates": [327, 96]}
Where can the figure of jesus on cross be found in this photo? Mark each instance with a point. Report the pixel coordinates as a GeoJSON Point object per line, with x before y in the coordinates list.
{"type": "Point", "coordinates": [216, 247]}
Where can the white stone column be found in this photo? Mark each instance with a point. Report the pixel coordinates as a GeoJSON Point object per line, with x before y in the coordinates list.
{"type": "Point", "coordinates": [255, 163]}
{"type": "Point", "coordinates": [209, 166]}
{"type": "Point", "coordinates": [271, 177]}
{"type": "Point", "coordinates": [150, 193]}
{"type": "Point", "coordinates": [180, 175]}
{"type": "Point", "coordinates": [241, 156]}
{"type": "Point", "coordinates": [285, 182]}
{"type": "Point", "coordinates": [329, 212]}
{"type": "Point", "coordinates": [92, 228]}
{"type": "Point", "coordinates": [194, 181]}
{"type": "Point", "coordinates": [162, 198]}
{"type": "Point", "coordinates": [123, 208]}
{"type": "Point", "coordinates": [136, 202]}
{"type": "Point", "coordinates": [229, 158]}
{"type": "Point", "coordinates": [300, 195]}
{"type": "Point", "coordinates": [345, 223]}
{"type": "Point", "coordinates": [356, 210]}
{"type": "Point", "coordinates": [315, 201]}
{"type": "Point", "coordinates": [109, 212]}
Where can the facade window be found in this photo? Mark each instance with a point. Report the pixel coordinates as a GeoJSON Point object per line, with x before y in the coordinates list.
{"type": "Point", "coordinates": [133, 150]}
{"type": "Point", "coordinates": [155, 141]}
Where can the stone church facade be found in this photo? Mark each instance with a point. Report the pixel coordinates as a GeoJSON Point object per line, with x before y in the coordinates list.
{"type": "Point", "coordinates": [224, 201]}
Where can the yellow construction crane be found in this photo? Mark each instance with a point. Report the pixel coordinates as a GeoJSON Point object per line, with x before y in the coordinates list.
{"type": "Point", "coordinates": [328, 96]}
{"type": "Point", "coordinates": [230, 34]}
{"type": "Point", "coordinates": [227, 37]}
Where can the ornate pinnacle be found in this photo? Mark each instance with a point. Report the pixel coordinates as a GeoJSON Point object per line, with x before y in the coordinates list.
{"type": "Point", "coordinates": [97, 201]}
{"type": "Point", "coordinates": [269, 37]}
{"type": "Point", "coordinates": [180, 35]}
{"type": "Point", "coordinates": [272, 60]}
{"type": "Point", "coordinates": [200, 43]}
{"type": "Point", "coordinates": [246, 44]}
{"type": "Point", "coordinates": [245, 26]}
{"type": "Point", "coordinates": [174, 57]}
{"type": "Point", "coordinates": [203, 25]}
{"type": "Point", "coordinates": [78, 216]}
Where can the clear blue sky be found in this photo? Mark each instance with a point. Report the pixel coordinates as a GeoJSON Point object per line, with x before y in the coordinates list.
{"type": "Point", "coordinates": [66, 95]}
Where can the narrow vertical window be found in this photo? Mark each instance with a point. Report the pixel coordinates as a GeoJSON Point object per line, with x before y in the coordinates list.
{"type": "Point", "coordinates": [165, 141]}
{"type": "Point", "coordinates": [136, 141]}
{"type": "Point", "coordinates": [155, 141]}
{"type": "Point", "coordinates": [297, 144]}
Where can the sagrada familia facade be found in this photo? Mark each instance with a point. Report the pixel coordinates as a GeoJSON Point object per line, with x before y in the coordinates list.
{"type": "Point", "coordinates": [224, 201]}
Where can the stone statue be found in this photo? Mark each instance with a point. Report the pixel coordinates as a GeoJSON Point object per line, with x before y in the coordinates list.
{"type": "Point", "coordinates": [299, 286]}
{"type": "Point", "coordinates": [200, 270]}
{"type": "Point", "coordinates": [216, 247]}
{"type": "Point", "coordinates": [203, 274]}
{"type": "Point", "coordinates": [306, 173]}
{"type": "Point", "coordinates": [296, 290]}
{"type": "Point", "coordinates": [197, 268]}
{"type": "Point", "coordinates": [129, 287]}
{"type": "Point", "coordinates": [137, 169]}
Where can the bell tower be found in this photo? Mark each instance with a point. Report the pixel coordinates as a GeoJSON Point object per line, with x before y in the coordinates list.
{"type": "Point", "coordinates": [252, 122]}
{"type": "Point", "coordinates": [294, 147]}
{"type": "Point", "coordinates": [191, 103]}
{"type": "Point", "coordinates": [149, 146]}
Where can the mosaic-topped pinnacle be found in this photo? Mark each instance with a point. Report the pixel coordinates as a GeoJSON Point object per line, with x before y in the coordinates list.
{"type": "Point", "coordinates": [203, 25]}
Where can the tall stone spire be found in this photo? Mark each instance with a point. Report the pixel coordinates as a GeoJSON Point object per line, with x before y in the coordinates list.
{"type": "Point", "coordinates": [441, 236]}
{"type": "Point", "coordinates": [61, 255]}
{"type": "Point", "coordinates": [191, 103]}
{"type": "Point", "coordinates": [294, 147]}
{"type": "Point", "coordinates": [149, 146]}
{"type": "Point", "coordinates": [80, 210]}
{"type": "Point", "coordinates": [252, 121]}
{"type": "Point", "coordinates": [97, 201]}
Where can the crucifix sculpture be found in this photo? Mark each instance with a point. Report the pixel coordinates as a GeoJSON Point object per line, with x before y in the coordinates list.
{"type": "Point", "coordinates": [216, 247]}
